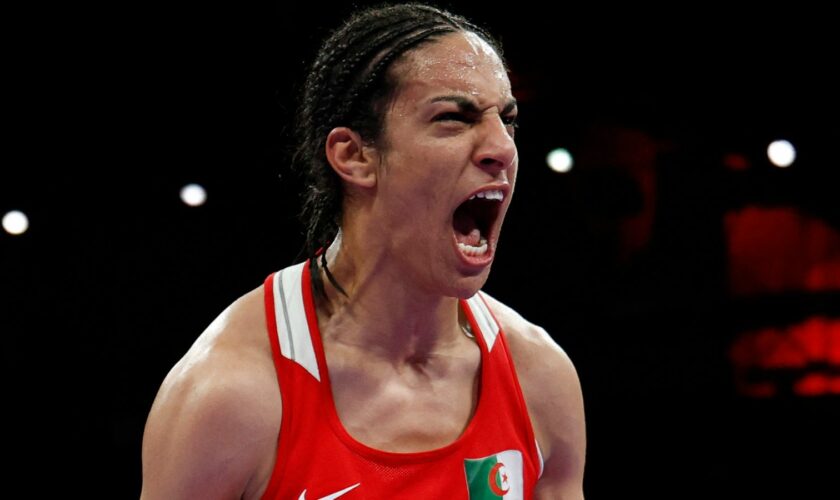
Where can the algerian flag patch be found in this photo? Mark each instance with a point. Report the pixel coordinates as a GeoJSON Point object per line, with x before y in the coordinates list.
{"type": "Point", "coordinates": [496, 476]}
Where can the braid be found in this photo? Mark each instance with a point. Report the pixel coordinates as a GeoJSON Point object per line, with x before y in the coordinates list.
{"type": "Point", "coordinates": [348, 85]}
{"type": "Point", "coordinates": [362, 87]}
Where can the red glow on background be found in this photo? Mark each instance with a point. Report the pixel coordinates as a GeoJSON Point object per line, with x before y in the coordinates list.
{"type": "Point", "coordinates": [735, 161]}
{"type": "Point", "coordinates": [817, 384]}
{"type": "Point", "coordinates": [775, 250]}
{"type": "Point", "coordinates": [634, 152]}
{"type": "Point", "coordinates": [808, 353]}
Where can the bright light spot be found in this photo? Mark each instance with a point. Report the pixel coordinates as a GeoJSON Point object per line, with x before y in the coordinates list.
{"type": "Point", "coordinates": [559, 160]}
{"type": "Point", "coordinates": [781, 153]}
{"type": "Point", "coordinates": [15, 222]}
{"type": "Point", "coordinates": [193, 195]}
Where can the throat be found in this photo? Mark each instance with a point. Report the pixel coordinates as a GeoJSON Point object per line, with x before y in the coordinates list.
{"type": "Point", "coordinates": [466, 227]}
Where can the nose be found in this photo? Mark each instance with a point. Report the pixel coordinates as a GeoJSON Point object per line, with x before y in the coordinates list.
{"type": "Point", "coordinates": [496, 150]}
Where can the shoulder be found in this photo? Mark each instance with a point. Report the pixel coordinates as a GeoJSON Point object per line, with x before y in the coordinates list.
{"type": "Point", "coordinates": [552, 392]}
{"type": "Point", "coordinates": [539, 359]}
{"type": "Point", "coordinates": [213, 426]}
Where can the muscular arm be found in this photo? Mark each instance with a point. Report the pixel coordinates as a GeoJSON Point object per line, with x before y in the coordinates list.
{"type": "Point", "coordinates": [555, 403]}
{"type": "Point", "coordinates": [212, 430]}
{"type": "Point", "coordinates": [559, 422]}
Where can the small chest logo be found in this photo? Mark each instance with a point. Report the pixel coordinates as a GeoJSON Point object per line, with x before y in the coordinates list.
{"type": "Point", "coordinates": [331, 496]}
{"type": "Point", "coordinates": [495, 476]}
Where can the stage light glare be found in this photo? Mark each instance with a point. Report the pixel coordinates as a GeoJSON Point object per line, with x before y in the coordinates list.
{"type": "Point", "coordinates": [560, 160]}
{"type": "Point", "coordinates": [193, 195]}
{"type": "Point", "coordinates": [15, 222]}
{"type": "Point", "coordinates": [781, 153]}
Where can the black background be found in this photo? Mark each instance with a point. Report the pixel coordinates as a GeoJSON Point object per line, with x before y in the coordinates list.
{"type": "Point", "coordinates": [110, 110]}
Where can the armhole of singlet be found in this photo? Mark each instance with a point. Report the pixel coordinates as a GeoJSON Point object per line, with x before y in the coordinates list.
{"type": "Point", "coordinates": [532, 438]}
{"type": "Point", "coordinates": [271, 324]}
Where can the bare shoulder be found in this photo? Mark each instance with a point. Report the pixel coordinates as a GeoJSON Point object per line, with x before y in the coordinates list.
{"type": "Point", "coordinates": [212, 429]}
{"type": "Point", "coordinates": [552, 392]}
{"type": "Point", "coordinates": [539, 359]}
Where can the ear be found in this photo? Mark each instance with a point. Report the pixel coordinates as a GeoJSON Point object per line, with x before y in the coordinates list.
{"type": "Point", "coordinates": [348, 156]}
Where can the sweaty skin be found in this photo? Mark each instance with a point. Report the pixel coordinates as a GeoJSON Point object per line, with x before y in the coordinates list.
{"type": "Point", "coordinates": [213, 428]}
{"type": "Point", "coordinates": [434, 161]}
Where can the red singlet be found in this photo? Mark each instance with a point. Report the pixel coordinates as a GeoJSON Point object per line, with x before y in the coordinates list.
{"type": "Point", "coordinates": [495, 457]}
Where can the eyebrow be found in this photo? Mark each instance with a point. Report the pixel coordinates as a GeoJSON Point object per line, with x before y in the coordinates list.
{"type": "Point", "coordinates": [468, 105]}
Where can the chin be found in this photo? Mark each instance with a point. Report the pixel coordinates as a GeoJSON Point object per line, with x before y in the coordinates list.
{"type": "Point", "coordinates": [468, 285]}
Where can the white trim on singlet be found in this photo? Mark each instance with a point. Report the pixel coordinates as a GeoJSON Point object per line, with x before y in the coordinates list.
{"type": "Point", "coordinates": [490, 330]}
{"type": "Point", "coordinates": [290, 317]}
{"type": "Point", "coordinates": [486, 323]}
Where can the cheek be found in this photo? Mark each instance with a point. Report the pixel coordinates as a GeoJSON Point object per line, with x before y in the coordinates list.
{"type": "Point", "coordinates": [431, 170]}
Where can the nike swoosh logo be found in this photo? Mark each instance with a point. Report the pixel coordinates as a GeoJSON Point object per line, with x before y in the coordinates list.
{"type": "Point", "coordinates": [332, 496]}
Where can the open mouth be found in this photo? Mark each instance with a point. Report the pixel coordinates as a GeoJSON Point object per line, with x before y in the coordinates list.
{"type": "Point", "coordinates": [474, 220]}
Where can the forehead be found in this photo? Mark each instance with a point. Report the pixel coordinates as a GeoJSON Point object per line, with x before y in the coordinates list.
{"type": "Point", "coordinates": [460, 62]}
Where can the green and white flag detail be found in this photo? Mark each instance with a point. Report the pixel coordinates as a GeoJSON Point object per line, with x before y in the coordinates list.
{"type": "Point", "coordinates": [496, 476]}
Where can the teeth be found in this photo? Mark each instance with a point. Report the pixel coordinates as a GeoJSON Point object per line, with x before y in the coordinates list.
{"type": "Point", "coordinates": [481, 249]}
{"type": "Point", "coordinates": [489, 195]}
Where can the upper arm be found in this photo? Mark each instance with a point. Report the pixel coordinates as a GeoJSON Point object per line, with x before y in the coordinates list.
{"type": "Point", "coordinates": [552, 392]}
{"type": "Point", "coordinates": [559, 418]}
{"type": "Point", "coordinates": [196, 443]}
{"type": "Point", "coordinates": [212, 430]}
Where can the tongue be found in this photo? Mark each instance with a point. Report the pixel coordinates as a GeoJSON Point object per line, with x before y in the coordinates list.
{"type": "Point", "coordinates": [466, 230]}
{"type": "Point", "coordinates": [473, 238]}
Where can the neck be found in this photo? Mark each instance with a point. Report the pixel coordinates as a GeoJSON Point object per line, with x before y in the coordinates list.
{"type": "Point", "coordinates": [382, 313]}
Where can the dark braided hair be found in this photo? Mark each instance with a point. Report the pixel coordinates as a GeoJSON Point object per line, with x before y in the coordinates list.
{"type": "Point", "coordinates": [349, 85]}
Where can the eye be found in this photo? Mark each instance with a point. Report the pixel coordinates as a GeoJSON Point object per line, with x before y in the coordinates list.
{"type": "Point", "coordinates": [452, 116]}
{"type": "Point", "coordinates": [510, 121]}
